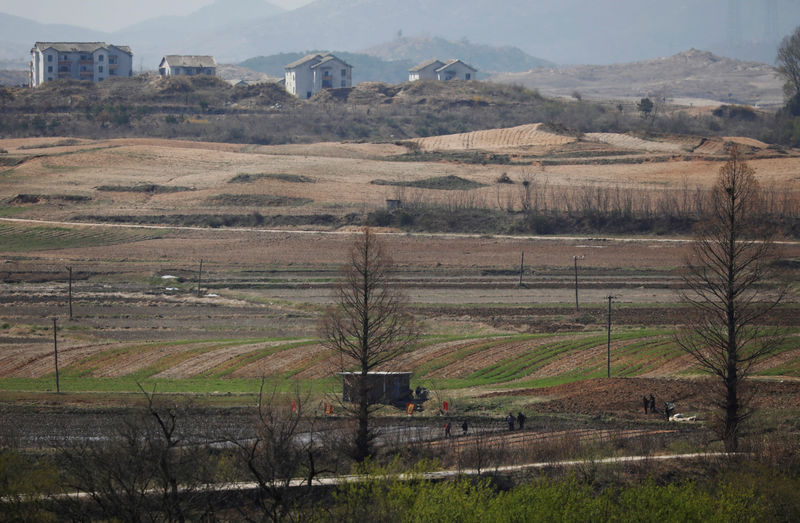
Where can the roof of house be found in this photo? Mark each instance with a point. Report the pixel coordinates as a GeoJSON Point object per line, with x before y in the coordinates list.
{"type": "Point", "coordinates": [426, 63]}
{"type": "Point", "coordinates": [306, 58]}
{"type": "Point", "coordinates": [330, 58]}
{"type": "Point", "coordinates": [454, 61]}
{"type": "Point", "coordinates": [79, 47]}
{"type": "Point", "coordinates": [317, 58]}
{"type": "Point", "coordinates": [180, 60]}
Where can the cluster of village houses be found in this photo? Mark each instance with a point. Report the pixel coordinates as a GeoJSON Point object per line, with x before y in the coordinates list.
{"type": "Point", "coordinates": [96, 61]}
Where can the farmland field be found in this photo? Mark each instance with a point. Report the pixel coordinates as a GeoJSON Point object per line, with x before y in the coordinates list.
{"type": "Point", "coordinates": [133, 218]}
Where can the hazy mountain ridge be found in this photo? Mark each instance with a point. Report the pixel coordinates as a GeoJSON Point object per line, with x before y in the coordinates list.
{"type": "Point", "coordinates": [691, 74]}
{"type": "Point", "coordinates": [391, 61]}
{"type": "Point", "coordinates": [562, 31]}
{"type": "Point", "coordinates": [486, 58]}
{"type": "Point", "coordinates": [25, 32]}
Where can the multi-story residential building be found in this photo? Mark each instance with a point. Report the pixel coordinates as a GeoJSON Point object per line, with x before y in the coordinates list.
{"type": "Point", "coordinates": [175, 64]}
{"type": "Point", "coordinates": [93, 61]}
{"type": "Point", "coordinates": [315, 72]}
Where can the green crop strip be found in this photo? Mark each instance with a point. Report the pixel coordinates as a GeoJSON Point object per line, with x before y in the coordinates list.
{"type": "Point", "coordinates": [464, 352]}
{"type": "Point", "coordinates": [15, 237]}
{"type": "Point", "coordinates": [236, 363]}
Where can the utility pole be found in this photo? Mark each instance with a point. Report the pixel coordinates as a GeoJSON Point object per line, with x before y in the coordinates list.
{"type": "Point", "coordinates": [521, 267]}
{"type": "Point", "coordinates": [55, 353]}
{"type": "Point", "coordinates": [575, 261]}
{"type": "Point", "coordinates": [608, 347]}
{"type": "Point", "coordinates": [70, 292]}
{"type": "Point", "coordinates": [199, 275]}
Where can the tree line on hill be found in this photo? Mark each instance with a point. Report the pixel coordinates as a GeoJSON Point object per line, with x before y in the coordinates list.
{"type": "Point", "coordinates": [210, 109]}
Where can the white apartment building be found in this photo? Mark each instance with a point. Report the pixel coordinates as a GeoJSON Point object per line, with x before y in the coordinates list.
{"type": "Point", "coordinates": [315, 72]}
{"type": "Point", "coordinates": [93, 61]}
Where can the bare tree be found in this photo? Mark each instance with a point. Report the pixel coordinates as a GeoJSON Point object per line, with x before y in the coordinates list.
{"type": "Point", "coordinates": [788, 60]}
{"type": "Point", "coordinates": [150, 471]}
{"type": "Point", "coordinates": [367, 325]}
{"type": "Point", "coordinates": [286, 447]}
{"type": "Point", "coordinates": [729, 263]}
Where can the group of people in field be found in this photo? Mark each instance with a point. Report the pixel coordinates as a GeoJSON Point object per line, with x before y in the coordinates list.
{"type": "Point", "coordinates": [519, 420]}
{"type": "Point", "coordinates": [649, 404]}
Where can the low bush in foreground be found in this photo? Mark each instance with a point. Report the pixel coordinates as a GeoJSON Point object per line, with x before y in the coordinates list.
{"type": "Point", "coordinates": [751, 494]}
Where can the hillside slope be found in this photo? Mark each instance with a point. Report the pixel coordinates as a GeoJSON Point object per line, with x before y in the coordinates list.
{"type": "Point", "coordinates": [692, 74]}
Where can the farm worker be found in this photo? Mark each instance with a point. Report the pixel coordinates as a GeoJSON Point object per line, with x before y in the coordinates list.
{"type": "Point", "coordinates": [464, 426]}
{"type": "Point", "coordinates": [510, 421]}
{"type": "Point", "coordinates": [521, 420]}
{"type": "Point", "coordinates": [652, 404]}
{"type": "Point", "coordinates": [646, 403]}
{"type": "Point", "coordinates": [447, 430]}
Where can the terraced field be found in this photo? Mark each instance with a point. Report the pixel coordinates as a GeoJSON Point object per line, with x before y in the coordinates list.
{"type": "Point", "coordinates": [500, 361]}
{"type": "Point", "coordinates": [530, 135]}
{"type": "Point", "coordinates": [141, 315]}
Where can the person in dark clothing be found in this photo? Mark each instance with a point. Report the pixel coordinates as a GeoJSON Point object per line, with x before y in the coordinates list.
{"type": "Point", "coordinates": [521, 420]}
{"type": "Point", "coordinates": [646, 403]}
{"type": "Point", "coordinates": [447, 430]}
{"type": "Point", "coordinates": [510, 421]}
{"type": "Point", "coordinates": [464, 427]}
{"type": "Point", "coordinates": [652, 404]}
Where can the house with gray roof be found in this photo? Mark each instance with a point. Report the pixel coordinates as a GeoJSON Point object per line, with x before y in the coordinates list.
{"type": "Point", "coordinates": [315, 72]}
{"type": "Point", "coordinates": [187, 65]}
{"type": "Point", "coordinates": [92, 61]}
{"type": "Point", "coordinates": [443, 71]}
{"type": "Point", "coordinates": [424, 71]}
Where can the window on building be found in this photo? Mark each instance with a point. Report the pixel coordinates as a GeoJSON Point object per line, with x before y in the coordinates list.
{"type": "Point", "coordinates": [49, 78]}
{"type": "Point", "coordinates": [344, 72]}
{"type": "Point", "coordinates": [100, 69]}
{"type": "Point", "coordinates": [63, 69]}
{"type": "Point", "coordinates": [84, 57]}
{"type": "Point", "coordinates": [49, 58]}
{"type": "Point", "coordinates": [468, 77]}
{"type": "Point", "coordinates": [344, 82]}
{"type": "Point", "coordinates": [308, 94]}
{"type": "Point", "coordinates": [100, 58]}
{"type": "Point", "coordinates": [49, 68]}
{"type": "Point", "coordinates": [112, 59]}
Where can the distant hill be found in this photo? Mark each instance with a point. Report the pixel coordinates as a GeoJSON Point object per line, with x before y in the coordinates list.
{"type": "Point", "coordinates": [13, 78]}
{"type": "Point", "coordinates": [366, 68]}
{"type": "Point", "coordinates": [390, 62]}
{"type": "Point", "coordinates": [156, 37]}
{"type": "Point", "coordinates": [18, 31]}
{"type": "Point", "coordinates": [562, 31]}
{"type": "Point", "coordinates": [486, 58]}
{"type": "Point", "coordinates": [692, 75]}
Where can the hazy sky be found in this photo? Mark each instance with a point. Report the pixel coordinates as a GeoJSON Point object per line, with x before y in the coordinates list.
{"type": "Point", "coordinates": [109, 15]}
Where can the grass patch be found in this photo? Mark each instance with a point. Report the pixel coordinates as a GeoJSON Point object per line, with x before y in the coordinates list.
{"type": "Point", "coordinates": [148, 188]}
{"type": "Point", "coordinates": [60, 143]}
{"type": "Point", "coordinates": [253, 219]}
{"type": "Point", "coordinates": [129, 385]}
{"type": "Point", "coordinates": [291, 178]}
{"type": "Point", "coordinates": [22, 237]}
{"type": "Point", "coordinates": [260, 200]}
{"type": "Point", "coordinates": [444, 183]}
{"type": "Point", "coordinates": [11, 210]}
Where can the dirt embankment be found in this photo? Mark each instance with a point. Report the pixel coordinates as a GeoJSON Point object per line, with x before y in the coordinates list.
{"type": "Point", "coordinates": [623, 396]}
